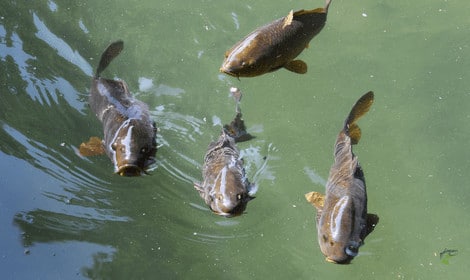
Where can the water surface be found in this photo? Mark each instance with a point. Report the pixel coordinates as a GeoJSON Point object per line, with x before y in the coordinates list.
{"type": "Point", "coordinates": [68, 217]}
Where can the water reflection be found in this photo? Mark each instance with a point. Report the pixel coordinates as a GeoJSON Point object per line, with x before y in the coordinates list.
{"type": "Point", "coordinates": [60, 46]}
{"type": "Point", "coordinates": [40, 226]}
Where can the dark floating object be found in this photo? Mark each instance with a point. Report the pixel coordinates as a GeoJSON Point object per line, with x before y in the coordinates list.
{"type": "Point", "coordinates": [342, 219]}
{"type": "Point", "coordinates": [129, 133]}
{"type": "Point", "coordinates": [236, 129]}
{"type": "Point", "coordinates": [445, 255]}
{"type": "Point", "coordinates": [275, 45]}
{"type": "Point", "coordinates": [225, 187]}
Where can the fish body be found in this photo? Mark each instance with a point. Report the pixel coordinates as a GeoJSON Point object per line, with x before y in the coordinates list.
{"type": "Point", "coordinates": [275, 45]}
{"type": "Point", "coordinates": [225, 187]}
{"type": "Point", "coordinates": [342, 218]}
{"type": "Point", "coordinates": [129, 132]}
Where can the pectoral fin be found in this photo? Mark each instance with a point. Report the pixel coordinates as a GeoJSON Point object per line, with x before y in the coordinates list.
{"type": "Point", "coordinates": [93, 147]}
{"type": "Point", "coordinates": [316, 199]}
{"type": "Point", "coordinates": [372, 221]}
{"type": "Point", "coordinates": [296, 66]}
{"type": "Point", "coordinates": [199, 188]}
{"type": "Point", "coordinates": [252, 189]}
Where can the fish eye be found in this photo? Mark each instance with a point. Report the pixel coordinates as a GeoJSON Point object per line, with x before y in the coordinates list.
{"type": "Point", "coordinates": [114, 146]}
{"type": "Point", "coordinates": [243, 63]}
{"type": "Point", "coordinates": [239, 197]}
{"type": "Point", "coordinates": [143, 150]}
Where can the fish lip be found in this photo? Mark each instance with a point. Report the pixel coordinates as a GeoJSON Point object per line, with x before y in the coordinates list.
{"type": "Point", "coordinates": [227, 215]}
{"type": "Point", "coordinates": [345, 261]}
{"type": "Point", "coordinates": [130, 170]}
{"type": "Point", "coordinates": [330, 260]}
{"type": "Point", "coordinates": [223, 214]}
{"type": "Point", "coordinates": [225, 71]}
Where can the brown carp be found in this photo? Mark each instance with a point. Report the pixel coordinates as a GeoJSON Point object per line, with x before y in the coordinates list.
{"type": "Point", "coordinates": [225, 187]}
{"type": "Point", "coordinates": [129, 132]}
{"type": "Point", "coordinates": [275, 45]}
{"type": "Point", "coordinates": [342, 219]}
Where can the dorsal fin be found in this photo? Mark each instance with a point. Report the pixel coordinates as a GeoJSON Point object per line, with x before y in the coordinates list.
{"type": "Point", "coordinates": [327, 5]}
{"type": "Point", "coordinates": [303, 12]}
{"type": "Point", "coordinates": [288, 19]}
{"type": "Point", "coordinates": [113, 50]}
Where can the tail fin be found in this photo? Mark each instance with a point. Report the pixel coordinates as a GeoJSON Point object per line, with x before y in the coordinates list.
{"type": "Point", "coordinates": [113, 50]}
{"type": "Point", "coordinates": [359, 109]}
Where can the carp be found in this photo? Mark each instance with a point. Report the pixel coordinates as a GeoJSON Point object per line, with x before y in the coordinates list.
{"type": "Point", "coordinates": [275, 45]}
{"type": "Point", "coordinates": [225, 187]}
{"type": "Point", "coordinates": [342, 220]}
{"type": "Point", "coordinates": [129, 132]}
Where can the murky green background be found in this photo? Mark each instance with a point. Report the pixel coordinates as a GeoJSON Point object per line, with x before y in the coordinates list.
{"type": "Point", "coordinates": [67, 217]}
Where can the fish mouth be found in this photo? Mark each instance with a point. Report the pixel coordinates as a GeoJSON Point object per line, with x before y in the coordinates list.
{"type": "Point", "coordinates": [330, 260]}
{"type": "Point", "coordinates": [130, 170]}
{"type": "Point", "coordinates": [227, 214]}
{"type": "Point", "coordinates": [225, 71]}
{"type": "Point", "coordinates": [345, 261]}
{"type": "Point", "coordinates": [223, 214]}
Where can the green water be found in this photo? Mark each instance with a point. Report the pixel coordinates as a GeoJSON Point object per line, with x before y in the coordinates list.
{"type": "Point", "coordinates": [67, 217]}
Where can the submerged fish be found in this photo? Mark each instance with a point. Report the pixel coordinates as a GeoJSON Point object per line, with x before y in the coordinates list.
{"type": "Point", "coordinates": [275, 45]}
{"type": "Point", "coordinates": [447, 254]}
{"type": "Point", "coordinates": [225, 188]}
{"type": "Point", "coordinates": [236, 129]}
{"type": "Point", "coordinates": [129, 132]}
{"type": "Point", "coordinates": [342, 218]}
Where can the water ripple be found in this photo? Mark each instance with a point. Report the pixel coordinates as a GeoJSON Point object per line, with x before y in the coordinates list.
{"type": "Point", "coordinates": [61, 47]}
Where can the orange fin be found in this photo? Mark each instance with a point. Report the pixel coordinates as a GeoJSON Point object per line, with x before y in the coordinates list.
{"type": "Point", "coordinates": [316, 199]}
{"type": "Point", "coordinates": [93, 147]}
{"type": "Point", "coordinates": [296, 66]}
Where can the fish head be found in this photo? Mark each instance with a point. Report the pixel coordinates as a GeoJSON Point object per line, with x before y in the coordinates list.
{"type": "Point", "coordinates": [339, 231]}
{"type": "Point", "coordinates": [244, 59]}
{"type": "Point", "coordinates": [134, 147]}
{"type": "Point", "coordinates": [230, 193]}
{"type": "Point", "coordinates": [239, 67]}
